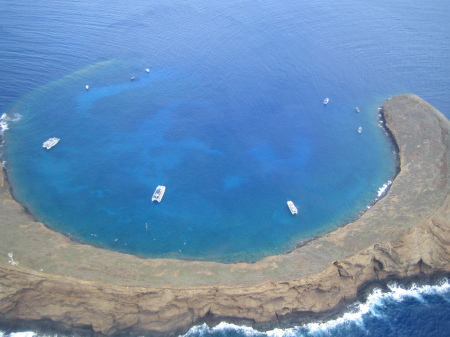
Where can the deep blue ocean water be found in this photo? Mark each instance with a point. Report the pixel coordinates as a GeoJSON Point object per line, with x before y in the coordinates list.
{"type": "Point", "coordinates": [230, 117]}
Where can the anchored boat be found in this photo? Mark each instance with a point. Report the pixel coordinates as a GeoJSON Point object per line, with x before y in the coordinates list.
{"type": "Point", "coordinates": [49, 143]}
{"type": "Point", "coordinates": [159, 193]}
{"type": "Point", "coordinates": [292, 207]}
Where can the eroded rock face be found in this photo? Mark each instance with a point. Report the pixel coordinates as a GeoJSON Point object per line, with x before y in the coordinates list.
{"type": "Point", "coordinates": [405, 234]}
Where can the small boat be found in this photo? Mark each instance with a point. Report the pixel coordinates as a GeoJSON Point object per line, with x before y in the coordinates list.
{"type": "Point", "coordinates": [49, 143]}
{"type": "Point", "coordinates": [357, 109]}
{"type": "Point", "coordinates": [326, 100]}
{"type": "Point", "coordinates": [133, 78]}
{"type": "Point", "coordinates": [292, 207]}
{"type": "Point", "coordinates": [87, 87]}
{"type": "Point", "coordinates": [360, 129]}
{"type": "Point", "coordinates": [159, 193]}
{"type": "Point", "coordinates": [147, 70]}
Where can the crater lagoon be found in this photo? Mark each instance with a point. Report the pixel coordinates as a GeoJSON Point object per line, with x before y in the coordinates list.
{"type": "Point", "coordinates": [230, 118]}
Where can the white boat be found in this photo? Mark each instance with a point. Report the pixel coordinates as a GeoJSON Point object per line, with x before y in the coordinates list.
{"type": "Point", "coordinates": [159, 193]}
{"type": "Point", "coordinates": [87, 87]}
{"type": "Point", "coordinates": [292, 207]}
{"type": "Point", "coordinates": [326, 100]}
{"type": "Point", "coordinates": [147, 70]}
{"type": "Point", "coordinates": [133, 78]}
{"type": "Point", "coordinates": [49, 143]}
{"type": "Point", "coordinates": [360, 129]}
{"type": "Point", "coordinates": [357, 109]}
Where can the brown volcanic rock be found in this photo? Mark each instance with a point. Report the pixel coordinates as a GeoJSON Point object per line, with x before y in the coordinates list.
{"type": "Point", "coordinates": [405, 234]}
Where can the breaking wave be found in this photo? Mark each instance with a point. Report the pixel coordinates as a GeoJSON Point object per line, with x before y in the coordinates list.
{"type": "Point", "coordinates": [383, 189]}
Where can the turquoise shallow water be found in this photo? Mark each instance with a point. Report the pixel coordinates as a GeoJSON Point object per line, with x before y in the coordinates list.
{"type": "Point", "coordinates": [228, 173]}
{"type": "Point", "coordinates": [230, 117]}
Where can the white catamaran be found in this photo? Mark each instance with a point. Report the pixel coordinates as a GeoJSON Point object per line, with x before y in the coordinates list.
{"type": "Point", "coordinates": [159, 193]}
{"type": "Point", "coordinates": [48, 144]}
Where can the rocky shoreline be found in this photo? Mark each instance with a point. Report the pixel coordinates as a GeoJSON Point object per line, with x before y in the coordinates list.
{"type": "Point", "coordinates": [68, 286]}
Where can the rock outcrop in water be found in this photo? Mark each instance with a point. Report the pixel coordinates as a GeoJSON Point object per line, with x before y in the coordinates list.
{"type": "Point", "coordinates": [69, 286]}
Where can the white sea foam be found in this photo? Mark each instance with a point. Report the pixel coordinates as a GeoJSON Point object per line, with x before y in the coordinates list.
{"type": "Point", "coordinates": [223, 327]}
{"type": "Point", "coordinates": [377, 300]}
{"type": "Point", "coordinates": [3, 123]}
{"type": "Point", "coordinates": [398, 293]}
{"type": "Point", "coordinates": [19, 334]}
{"type": "Point", "coordinates": [383, 188]}
{"type": "Point", "coordinates": [5, 119]}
